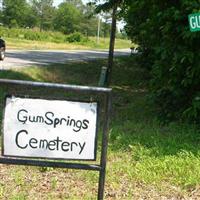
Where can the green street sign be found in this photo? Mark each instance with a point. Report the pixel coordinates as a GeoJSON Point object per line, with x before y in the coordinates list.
{"type": "Point", "coordinates": [194, 21]}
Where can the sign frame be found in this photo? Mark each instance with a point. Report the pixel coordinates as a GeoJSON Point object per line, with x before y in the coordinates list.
{"type": "Point", "coordinates": [51, 99]}
{"type": "Point", "coordinates": [106, 93]}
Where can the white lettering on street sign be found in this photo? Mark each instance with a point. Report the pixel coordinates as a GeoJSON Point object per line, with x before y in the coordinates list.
{"type": "Point", "coordinates": [42, 128]}
{"type": "Point", "coordinates": [194, 22]}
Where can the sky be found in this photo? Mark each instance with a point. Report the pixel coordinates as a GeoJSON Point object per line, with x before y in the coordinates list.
{"type": "Point", "coordinates": [57, 2]}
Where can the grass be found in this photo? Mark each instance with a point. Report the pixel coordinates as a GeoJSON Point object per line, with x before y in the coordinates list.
{"type": "Point", "coordinates": [36, 45]}
{"type": "Point", "coordinates": [104, 43]}
{"type": "Point", "coordinates": [145, 160]}
{"type": "Point", "coordinates": [19, 38]}
{"type": "Point", "coordinates": [40, 45]}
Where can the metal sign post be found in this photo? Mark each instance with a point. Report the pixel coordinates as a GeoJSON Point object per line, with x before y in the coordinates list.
{"type": "Point", "coordinates": [21, 144]}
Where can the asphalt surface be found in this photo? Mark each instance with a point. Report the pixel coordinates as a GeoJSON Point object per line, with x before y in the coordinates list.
{"type": "Point", "coordinates": [22, 58]}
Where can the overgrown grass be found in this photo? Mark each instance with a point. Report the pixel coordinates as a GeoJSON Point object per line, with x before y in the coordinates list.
{"type": "Point", "coordinates": [17, 43]}
{"type": "Point", "coordinates": [145, 160]}
{"type": "Point", "coordinates": [34, 39]}
{"type": "Point", "coordinates": [104, 43]}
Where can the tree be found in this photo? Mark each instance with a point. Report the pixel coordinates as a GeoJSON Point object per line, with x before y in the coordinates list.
{"type": "Point", "coordinates": [173, 53]}
{"type": "Point", "coordinates": [77, 3]}
{"type": "Point", "coordinates": [44, 13]}
{"type": "Point", "coordinates": [110, 5]}
{"type": "Point", "coordinates": [107, 18]}
{"type": "Point", "coordinates": [14, 13]}
{"type": "Point", "coordinates": [68, 18]}
{"type": "Point", "coordinates": [89, 21]}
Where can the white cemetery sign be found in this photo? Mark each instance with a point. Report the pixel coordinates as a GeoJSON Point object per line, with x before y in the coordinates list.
{"type": "Point", "coordinates": [56, 129]}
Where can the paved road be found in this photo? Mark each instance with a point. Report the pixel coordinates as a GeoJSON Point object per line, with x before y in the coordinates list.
{"type": "Point", "coordinates": [20, 58]}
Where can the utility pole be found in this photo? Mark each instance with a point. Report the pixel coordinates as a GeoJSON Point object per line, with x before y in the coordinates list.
{"type": "Point", "coordinates": [98, 29]}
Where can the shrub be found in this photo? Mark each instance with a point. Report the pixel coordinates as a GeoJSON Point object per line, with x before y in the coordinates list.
{"type": "Point", "coordinates": [163, 29]}
{"type": "Point", "coordinates": [76, 37]}
{"type": "Point", "coordinates": [35, 34]}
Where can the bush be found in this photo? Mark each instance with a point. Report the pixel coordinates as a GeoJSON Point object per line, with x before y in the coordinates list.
{"type": "Point", "coordinates": [76, 37]}
{"type": "Point", "coordinates": [36, 34]}
{"type": "Point", "coordinates": [163, 29]}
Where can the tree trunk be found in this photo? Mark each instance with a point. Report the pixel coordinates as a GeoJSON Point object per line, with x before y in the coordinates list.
{"type": "Point", "coordinates": [112, 45]}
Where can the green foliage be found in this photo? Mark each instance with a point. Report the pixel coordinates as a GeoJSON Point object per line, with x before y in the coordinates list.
{"type": "Point", "coordinates": [171, 53]}
{"type": "Point", "coordinates": [76, 37]}
{"type": "Point", "coordinates": [44, 12]}
{"type": "Point", "coordinates": [33, 34]}
{"type": "Point", "coordinates": [14, 13]}
{"type": "Point", "coordinates": [67, 18]}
